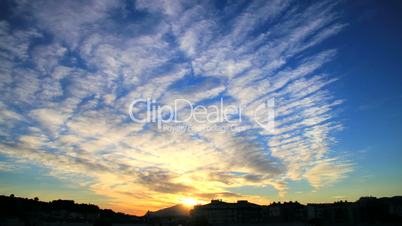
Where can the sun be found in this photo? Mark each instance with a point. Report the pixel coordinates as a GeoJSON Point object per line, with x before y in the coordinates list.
{"type": "Point", "coordinates": [190, 202]}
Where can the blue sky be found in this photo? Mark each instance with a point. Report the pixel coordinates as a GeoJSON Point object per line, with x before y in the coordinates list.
{"type": "Point", "coordinates": [69, 71]}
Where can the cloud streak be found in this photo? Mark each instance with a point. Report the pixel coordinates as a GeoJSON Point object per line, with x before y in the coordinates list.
{"type": "Point", "coordinates": [68, 80]}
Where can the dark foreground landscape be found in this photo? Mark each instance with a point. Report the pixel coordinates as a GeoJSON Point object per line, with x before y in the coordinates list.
{"type": "Point", "coordinates": [17, 211]}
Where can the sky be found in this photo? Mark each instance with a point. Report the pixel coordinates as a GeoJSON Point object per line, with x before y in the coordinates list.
{"type": "Point", "coordinates": [318, 85]}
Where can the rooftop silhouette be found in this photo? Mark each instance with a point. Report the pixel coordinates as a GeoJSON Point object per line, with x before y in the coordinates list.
{"type": "Point", "coordinates": [15, 211]}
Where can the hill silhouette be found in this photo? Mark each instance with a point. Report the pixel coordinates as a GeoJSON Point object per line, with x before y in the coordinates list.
{"type": "Point", "coordinates": [173, 211]}
{"type": "Point", "coordinates": [24, 211]}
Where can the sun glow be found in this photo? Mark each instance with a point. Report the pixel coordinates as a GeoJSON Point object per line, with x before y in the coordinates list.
{"type": "Point", "coordinates": [189, 202]}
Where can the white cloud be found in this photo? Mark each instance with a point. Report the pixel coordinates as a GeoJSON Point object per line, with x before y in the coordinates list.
{"type": "Point", "coordinates": [51, 120]}
{"type": "Point", "coordinates": [327, 172]}
{"type": "Point", "coordinates": [76, 94]}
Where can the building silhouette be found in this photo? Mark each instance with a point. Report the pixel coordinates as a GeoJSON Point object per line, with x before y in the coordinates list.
{"type": "Point", "coordinates": [367, 211]}
{"type": "Point", "coordinates": [220, 213]}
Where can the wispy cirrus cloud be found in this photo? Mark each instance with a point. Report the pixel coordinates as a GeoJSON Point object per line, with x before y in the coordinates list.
{"type": "Point", "coordinates": [69, 79]}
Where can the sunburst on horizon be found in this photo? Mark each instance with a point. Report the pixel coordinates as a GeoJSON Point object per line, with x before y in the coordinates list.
{"type": "Point", "coordinates": [190, 202]}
